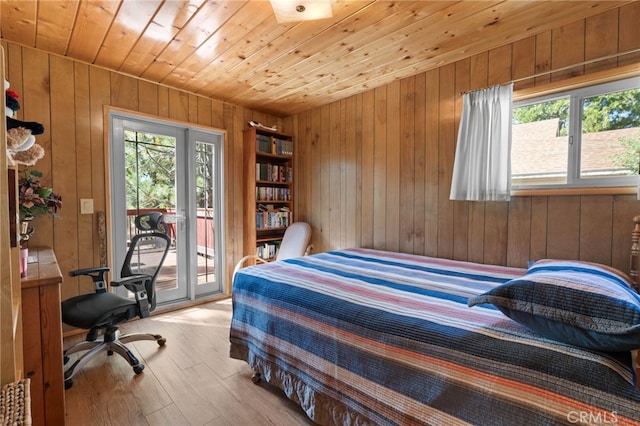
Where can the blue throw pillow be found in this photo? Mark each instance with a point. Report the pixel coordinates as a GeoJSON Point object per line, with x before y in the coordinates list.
{"type": "Point", "coordinates": [579, 303]}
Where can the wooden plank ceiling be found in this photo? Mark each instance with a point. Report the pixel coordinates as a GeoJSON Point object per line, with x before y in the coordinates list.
{"type": "Point", "coordinates": [236, 50]}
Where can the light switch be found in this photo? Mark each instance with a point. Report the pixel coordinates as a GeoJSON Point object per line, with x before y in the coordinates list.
{"type": "Point", "coordinates": [86, 205]}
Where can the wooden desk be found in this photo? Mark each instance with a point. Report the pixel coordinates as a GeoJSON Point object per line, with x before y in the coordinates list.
{"type": "Point", "coordinates": [42, 337]}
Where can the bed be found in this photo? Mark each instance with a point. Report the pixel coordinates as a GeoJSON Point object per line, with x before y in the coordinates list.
{"type": "Point", "coordinates": [362, 336]}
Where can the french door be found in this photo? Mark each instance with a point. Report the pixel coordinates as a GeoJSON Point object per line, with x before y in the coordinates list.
{"type": "Point", "coordinates": [175, 170]}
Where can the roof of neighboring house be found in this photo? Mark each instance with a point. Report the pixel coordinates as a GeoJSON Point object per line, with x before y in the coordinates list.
{"type": "Point", "coordinates": [536, 148]}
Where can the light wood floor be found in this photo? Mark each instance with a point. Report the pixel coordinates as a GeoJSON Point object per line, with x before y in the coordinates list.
{"type": "Point", "coordinates": [189, 381]}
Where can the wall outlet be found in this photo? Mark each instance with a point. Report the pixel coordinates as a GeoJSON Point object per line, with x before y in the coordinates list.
{"type": "Point", "coordinates": [86, 206]}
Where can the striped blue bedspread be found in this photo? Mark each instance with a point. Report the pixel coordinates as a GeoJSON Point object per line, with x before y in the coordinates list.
{"type": "Point", "coordinates": [362, 336]}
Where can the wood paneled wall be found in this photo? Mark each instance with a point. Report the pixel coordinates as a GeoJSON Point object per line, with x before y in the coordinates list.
{"type": "Point", "coordinates": [372, 170]}
{"type": "Point", "coordinates": [69, 98]}
{"type": "Point", "coordinates": [375, 169]}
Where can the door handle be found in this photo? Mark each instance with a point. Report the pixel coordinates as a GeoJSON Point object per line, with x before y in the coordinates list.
{"type": "Point", "coordinates": [178, 219]}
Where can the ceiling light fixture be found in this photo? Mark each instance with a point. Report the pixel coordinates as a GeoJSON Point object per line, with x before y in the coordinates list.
{"type": "Point", "coordinates": [301, 10]}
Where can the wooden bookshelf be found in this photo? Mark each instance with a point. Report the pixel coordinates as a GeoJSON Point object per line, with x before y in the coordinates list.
{"type": "Point", "coordinates": [268, 190]}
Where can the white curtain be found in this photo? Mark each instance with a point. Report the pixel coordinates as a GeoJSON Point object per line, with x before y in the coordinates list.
{"type": "Point", "coordinates": [482, 167]}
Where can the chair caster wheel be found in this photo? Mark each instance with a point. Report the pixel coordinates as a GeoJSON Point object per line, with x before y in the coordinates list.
{"type": "Point", "coordinates": [138, 368]}
{"type": "Point", "coordinates": [162, 342]}
{"type": "Point", "coordinates": [68, 384]}
{"type": "Point", "coordinates": [256, 378]}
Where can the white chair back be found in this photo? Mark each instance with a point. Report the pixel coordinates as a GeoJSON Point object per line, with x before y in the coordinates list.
{"type": "Point", "coordinates": [295, 241]}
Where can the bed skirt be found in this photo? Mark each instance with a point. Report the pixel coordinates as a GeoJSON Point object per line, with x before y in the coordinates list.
{"type": "Point", "coordinates": [319, 408]}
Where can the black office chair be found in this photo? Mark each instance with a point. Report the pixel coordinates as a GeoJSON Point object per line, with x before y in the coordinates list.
{"type": "Point", "coordinates": [102, 311]}
{"type": "Point", "coordinates": [152, 221]}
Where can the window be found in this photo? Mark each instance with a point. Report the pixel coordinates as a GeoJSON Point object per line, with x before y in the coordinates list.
{"type": "Point", "coordinates": [588, 137]}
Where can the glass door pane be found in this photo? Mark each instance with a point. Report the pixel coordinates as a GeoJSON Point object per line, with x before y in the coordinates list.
{"type": "Point", "coordinates": [150, 186]}
{"type": "Point", "coordinates": [145, 177]}
{"type": "Point", "coordinates": [207, 204]}
{"type": "Point", "coordinates": [205, 230]}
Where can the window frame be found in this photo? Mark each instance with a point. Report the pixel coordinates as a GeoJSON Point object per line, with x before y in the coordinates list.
{"type": "Point", "coordinates": [576, 96]}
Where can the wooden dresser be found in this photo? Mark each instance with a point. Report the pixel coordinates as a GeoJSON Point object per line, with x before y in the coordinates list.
{"type": "Point", "coordinates": [42, 337]}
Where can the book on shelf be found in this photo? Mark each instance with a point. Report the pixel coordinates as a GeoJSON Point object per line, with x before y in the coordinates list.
{"type": "Point", "coordinates": [272, 219]}
{"type": "Point", "coordinates": [268, 250]}
{"type": "Point", "coordinates": [263, 143]}
{"type": "Point", "coordinates": [273, 145]}
{"type": "Point", "coordinates": [274, 172]}
{"type": "Point", "coordinates": [269, 193]}
{"type": "Point", "coordinates": [284, 147]}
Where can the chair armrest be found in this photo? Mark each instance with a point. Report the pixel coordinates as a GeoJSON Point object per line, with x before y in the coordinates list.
{"type": "Point", "coordinates": [135, 281]}
{"type": "Point", "coordinates": [88, 271]}
{"type": "Point", "coordinates": [137, 285]}
{"type": "Point", "coordinates": [96, 274]}
{"type": "Point", "coordinates": [242, 261]}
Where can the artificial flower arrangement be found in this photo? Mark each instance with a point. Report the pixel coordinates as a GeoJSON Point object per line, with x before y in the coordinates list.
{"type": "Point", "coordinates": [36, 199]}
